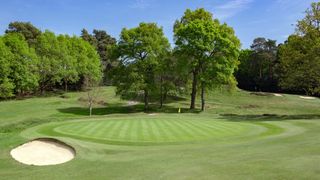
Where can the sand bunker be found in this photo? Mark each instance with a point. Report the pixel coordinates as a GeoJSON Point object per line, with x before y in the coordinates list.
{"type": "Point", "coordinates": [307, 97]}
{"type": "Point", "coordinates": [278, 95]}
{"type": "Point", "coordinates": [42, 152]}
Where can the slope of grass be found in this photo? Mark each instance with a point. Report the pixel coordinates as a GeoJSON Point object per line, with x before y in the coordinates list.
{"type": "Point", "coordinates": [240, 136]}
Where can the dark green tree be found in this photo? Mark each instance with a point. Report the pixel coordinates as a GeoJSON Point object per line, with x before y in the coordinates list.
{"type": "Point", "coordinates": [105, 45]}
{"type": "Point", "coordinates": [140, 50]}
{"type": "Point", "coordinates": [259, 68]}
{"type": "Point", "coordinates": [29, 31]}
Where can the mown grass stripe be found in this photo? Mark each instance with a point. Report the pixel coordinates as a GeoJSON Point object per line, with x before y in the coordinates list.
{"type": "Point", "coordinates": [133, 132]}
{"type": "Point", "coordinates": [151, 131]}
{"type": "Point", "coordinates": [204, 127]}
{"type": "Point", "coordinates": [116, 130]}
{"type": "Point", "coordinates": [182, 128]}
{"type": "Point", "coordinates": [92, 131]}
{"type": "Point", "coordinates": [173, 135]}
{"type": "Point", "coordinates": [195, 131]}
{"type": "Point", "coordinates": [110, 129]}
{"type": "Point", "coordinates": [164, 136]}
{"type": "Point", "coordinates": [87, 128]}
{"type": "Point", "coordinates": [103, 129]}
{"type": "Point", "coordinates": [156, 131]}
{"type": "Point", "coordinates": [124, 129]}
{"type": "Point", "coordinates": [129, 130]}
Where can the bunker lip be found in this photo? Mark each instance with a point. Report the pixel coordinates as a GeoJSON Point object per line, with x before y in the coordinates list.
{"type": "Point", "coordinates": [307, 97]}
{"type": "Point", "coordinates": [43, 152]}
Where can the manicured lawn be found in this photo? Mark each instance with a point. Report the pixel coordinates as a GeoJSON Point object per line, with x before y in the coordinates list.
{"type": "Point", "coordinates": [240, 136]}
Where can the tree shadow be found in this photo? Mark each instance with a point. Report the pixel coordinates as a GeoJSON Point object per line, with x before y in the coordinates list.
{"type": "Point", "coordinates": [118, 109]}
{"type": "Point", "coordinates": [268, 117]}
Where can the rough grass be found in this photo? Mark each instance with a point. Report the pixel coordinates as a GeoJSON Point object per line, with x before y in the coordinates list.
{"type": "Point", "coordinates": [240, 136]}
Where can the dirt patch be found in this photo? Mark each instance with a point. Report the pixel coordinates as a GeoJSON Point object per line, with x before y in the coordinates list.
{"type": "Point", "coordinates": [43, 152]}
{"type": "Point", "coordinates": [152, 114]}
{"type": "Point", "coordinates": [307, 97]}
{"type": "Point", "coordinates": [278, 95]}
{"type": "Point", "coordinates": [132, 103]}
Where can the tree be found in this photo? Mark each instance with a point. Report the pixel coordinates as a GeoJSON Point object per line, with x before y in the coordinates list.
{"type": "Point", "coordinates": [168, 76]}
{"type": "Point", "coordinates": [300, 57]}
{"type": "Point", "coordinates": [93, 91]}
{"type": "Point", "coordinates": [140, 50]}
{"type": "Point", "coordinates": [23, 65]}
{"type": "Point", "coordinates": [211, 48]}
{"type": "Point", "coordinates": [29, 31]}
{"type": "Point", "coordinates": [243, 75]}
{"type": "Point", "coordinates": [104, 44]}
{"type": "Point", "coordinates": [88, 62]}
{"type": "Point", "coordinates": [68, 67]}
{"type": "Point", "coordinates": [48, 50]}
{"type": "Point", "coordinates": [88, 37]}
{"type": "Point", "coordinates": [258, 68]}
{"type": "Point", "coordinates": [6, 84]}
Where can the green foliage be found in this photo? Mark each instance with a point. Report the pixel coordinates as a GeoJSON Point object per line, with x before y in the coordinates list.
{"type": "Point", "coordinates": [299, 56]}
{"type": "Point", "coordinates": [48, 50]}
{"type": "Point", "coordinates": [29, 31]}
{"type": "Point", "coordinates": [259, 66]}
{"type": "Point", "coordinates": [210, 50]}
{"type": "Point", "coordinates": [140, 50]}
{"type": "Point", "coordinates": [65, 60]}
{"type": "Point", "coordinates": [88, 64]}
{"type": "Point", "coordinates": [104, 45]}
{"type": "Point", "coordinates": [23, 64]}
{"type": "Point", "coordinates": [6, 86]}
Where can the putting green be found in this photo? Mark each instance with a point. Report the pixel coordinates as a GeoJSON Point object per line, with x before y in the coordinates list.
{"type": "Point", "coordinates": [151, 130]}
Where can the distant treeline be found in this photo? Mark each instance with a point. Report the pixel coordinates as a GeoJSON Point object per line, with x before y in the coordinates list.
{"type": "Point", "coordinates": [292, 67]}
{"type": "Point", "coordinates": [206, 55]}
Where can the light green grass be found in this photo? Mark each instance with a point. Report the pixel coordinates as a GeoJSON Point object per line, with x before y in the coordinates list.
{"type": "Point", "coordinates": [240, 136]}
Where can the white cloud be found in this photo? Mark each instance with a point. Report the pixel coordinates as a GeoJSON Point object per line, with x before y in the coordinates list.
{"type": "Point", "coordinates": [231, 8]}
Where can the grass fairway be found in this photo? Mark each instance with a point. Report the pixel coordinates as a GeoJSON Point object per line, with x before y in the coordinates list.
{"type": "Point", "coordinates": [240, 136]}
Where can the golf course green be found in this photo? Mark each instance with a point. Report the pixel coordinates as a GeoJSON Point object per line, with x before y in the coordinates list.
{"type": "Point", "coordinates": [241, 135]}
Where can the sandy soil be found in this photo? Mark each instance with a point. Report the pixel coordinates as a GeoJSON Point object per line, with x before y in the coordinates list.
{"type": "Point", "coordinates": [307, 97]}
{"type": "Point", "coordinates": [132, 103]}
{"type": "Point", "coordinates": [278, 95]}
{"type": "Point", "coordinates": [42, 152]}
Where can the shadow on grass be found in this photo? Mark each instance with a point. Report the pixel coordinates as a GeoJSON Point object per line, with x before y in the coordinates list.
{"type": "Point", "coordinates": [269, 117]}
{"type": "Point", "coordinates": [139, 108]}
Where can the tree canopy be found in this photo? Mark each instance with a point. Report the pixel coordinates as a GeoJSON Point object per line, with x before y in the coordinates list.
{"type": "Point", "coordinates": [140, 51]}
{"type": "Point", "coordinates": [210, 50]}
{"type": "Point", "coordinates": [300, 57]}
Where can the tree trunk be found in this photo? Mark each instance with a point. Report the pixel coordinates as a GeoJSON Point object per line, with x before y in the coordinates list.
{"type": "Point", "coordinates": [202, 97]}
{"type": "Point", "coordinates": [65, 85]}
{"type": "Point", "coordinates": [90, 109]}
{"type": "Point", "coordinates": [194, 90]}
{"type": "Point", "coordinates": [146, 100]}
{"type": "Point", "coordinates": [161, 93]}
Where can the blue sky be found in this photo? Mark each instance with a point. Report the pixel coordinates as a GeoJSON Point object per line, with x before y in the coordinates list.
{"type": "Point", "coordinates": [272, 19]}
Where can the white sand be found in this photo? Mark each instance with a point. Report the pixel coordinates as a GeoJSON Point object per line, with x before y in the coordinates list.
{"type": "Point", "coordinates": [43, 152]}
{"type": "Point", "coordinates": [307, 97]}
{"type": "Point", "coordinates": [132, 103]}
{"type": "Point", "coordinates": [152, 114]}
{"type": "Point", "coordinates": [278, 95]}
